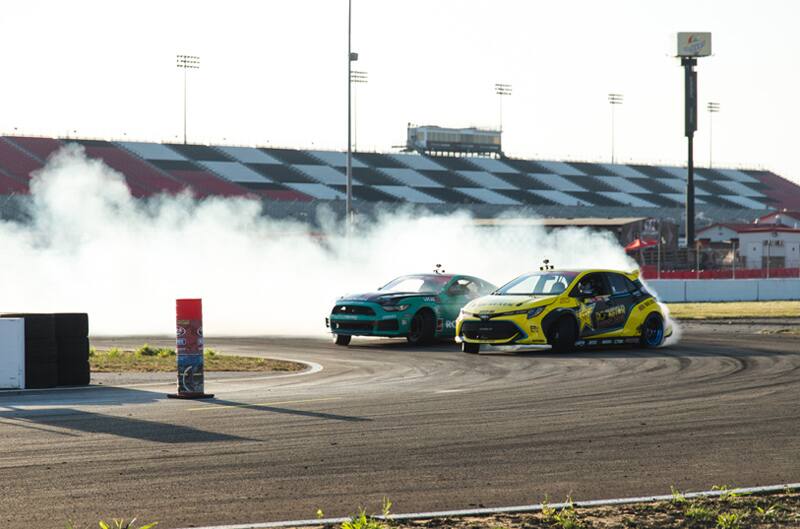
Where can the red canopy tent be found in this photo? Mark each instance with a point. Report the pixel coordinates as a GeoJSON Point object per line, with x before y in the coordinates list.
{"type": "Point", "coordinates": [639, 244]}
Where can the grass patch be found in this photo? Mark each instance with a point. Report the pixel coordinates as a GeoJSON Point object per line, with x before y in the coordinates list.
{"type": "Point", "coordinates": [148, 359]}
{"type": "Point", "coordinates": [734, 310]}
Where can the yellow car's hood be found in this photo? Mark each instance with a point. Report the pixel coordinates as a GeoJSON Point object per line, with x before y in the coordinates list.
{"type": "Point", "coordinates": [497, 303]}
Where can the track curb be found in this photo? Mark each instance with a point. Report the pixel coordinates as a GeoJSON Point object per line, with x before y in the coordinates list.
{"type": "Point", "coordinates": [511, 510]}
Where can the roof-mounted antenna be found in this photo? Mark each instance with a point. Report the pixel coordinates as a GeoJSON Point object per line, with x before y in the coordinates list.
{"type": "Point", "coordinates": [438, 269]}
{"type": "Point", "coordinates": [546, 265]}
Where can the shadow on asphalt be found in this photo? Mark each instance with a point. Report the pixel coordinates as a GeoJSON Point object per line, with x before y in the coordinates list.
{"type": "Point", "coordinates": [211, 403]}
{"type": "Point", "coordinates": [98, 423]}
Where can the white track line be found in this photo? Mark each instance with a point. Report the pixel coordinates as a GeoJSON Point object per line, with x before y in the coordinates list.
{"type": "Point", "coordinates": [515, 509]}
{"type": "Point", "coordinates": [313, 367]}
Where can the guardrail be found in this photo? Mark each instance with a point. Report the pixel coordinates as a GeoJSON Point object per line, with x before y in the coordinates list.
{"type": "Point", "coordinates": [698, 290]}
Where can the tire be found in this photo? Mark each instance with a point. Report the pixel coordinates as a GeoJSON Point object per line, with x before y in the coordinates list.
{"type": "Point", "coordinates": [652, 331]}
{"type": "Point", "coordinates": [41, 351]}
{"type": "Point", "coordinates": [38, 376]}
{"type": "Point", "coordinates": [470, 348]}
{"type": "Point", "coordinates": [37, 326]}
{"type": "Point", "coordinates": [562, 335]}
{"type": "Point", "coordinates": [423, 328]}
{"type": "Point", "coordinates": [71, 325]}
{"type": "Point", "coordinates": [342, 339]}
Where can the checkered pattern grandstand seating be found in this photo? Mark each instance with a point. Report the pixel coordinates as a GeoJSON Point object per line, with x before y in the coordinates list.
{"type": "Point", "coordinates": [312, 175]}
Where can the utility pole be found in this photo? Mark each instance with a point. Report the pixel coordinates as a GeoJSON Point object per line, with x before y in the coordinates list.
{"type": "Point", "coordinates": [351, 58]}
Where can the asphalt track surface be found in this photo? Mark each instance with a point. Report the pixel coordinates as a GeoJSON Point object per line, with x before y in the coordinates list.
{"type": "Point", "coordinates": [432, 429]}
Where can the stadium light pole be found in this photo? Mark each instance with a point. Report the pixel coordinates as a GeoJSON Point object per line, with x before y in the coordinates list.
{"type": "Point", "coordinates": [356, 77]}
{"type": "Point", "coordinates": [186, 62]}
{"type": "Point", "coordinates": [502, 90]}
{"type": "Point", "coordinates": [351, 58]}
{"type": "Point", "coordinates": [712, 108]}
{"type": "Point", "coordinates": [613, 100]}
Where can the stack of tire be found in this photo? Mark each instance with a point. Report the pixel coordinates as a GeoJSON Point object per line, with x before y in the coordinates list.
{"type": "Point", "coordinates": [72, 340]}
{"type": "Point", "coordinates": [56, 349]}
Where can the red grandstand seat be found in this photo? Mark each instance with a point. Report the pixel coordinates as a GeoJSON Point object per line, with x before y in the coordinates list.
{"type": "Point", "coordinates": [11, 185]}
{"type": "Point", "coordinates": [205, 184]}
{"type": "Point", "coordinates": [15, 161]}
{"type": "Point", "coordinates": [42, 148]}
{"type": "Point", "coordinates": [142, 178]}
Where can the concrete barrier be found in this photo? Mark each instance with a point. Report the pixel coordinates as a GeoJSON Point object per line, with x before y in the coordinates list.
{"type": "Point", "coordinates": [698, 290]}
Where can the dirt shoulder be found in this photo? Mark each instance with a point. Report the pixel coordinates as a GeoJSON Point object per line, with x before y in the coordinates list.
{"type": "Point", "coordinates": [148, 359]}
{"type": "Point", "coordinates": [729, 511]}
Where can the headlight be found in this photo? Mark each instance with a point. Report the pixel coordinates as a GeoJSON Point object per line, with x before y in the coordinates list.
{"type": "Point", "coordinates": [394, 308]}
{"type": "Point", "coordinates": [535, 312]}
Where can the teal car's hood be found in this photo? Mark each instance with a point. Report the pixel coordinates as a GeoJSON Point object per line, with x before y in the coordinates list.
{"type": "Point", "coordinates": [384, 297]}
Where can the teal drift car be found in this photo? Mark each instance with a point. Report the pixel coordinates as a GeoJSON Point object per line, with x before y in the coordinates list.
{"type": "Point", "coordinates": [420, 307]}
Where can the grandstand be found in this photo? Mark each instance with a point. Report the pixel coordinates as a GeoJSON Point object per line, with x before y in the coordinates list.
{"type": "Point", "coordinates": [295, 180]}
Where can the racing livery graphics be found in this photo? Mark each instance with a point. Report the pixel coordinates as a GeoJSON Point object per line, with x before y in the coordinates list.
{"type": "Point", "coordinates": [419, 307]}
{"type": "Point", "coordinates": [564, 309]}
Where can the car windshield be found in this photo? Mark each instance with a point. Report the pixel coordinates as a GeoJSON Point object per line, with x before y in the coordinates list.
{"type": "Point", "coordinates": [421, 283]}
{"type": "Point", "coordinates": [538, 284]}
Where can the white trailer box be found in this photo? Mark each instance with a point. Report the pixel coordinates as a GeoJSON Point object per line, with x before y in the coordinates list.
{"type": "Point", "coordinates": [12, 353]}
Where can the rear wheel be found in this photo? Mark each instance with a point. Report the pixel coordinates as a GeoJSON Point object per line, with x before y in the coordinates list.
{"type": "Point", "coordinates": [562, 336]}
{"type": "Point", "coordinates": [471, 348]}
{"type": "Point", "coordinates": [652, 331]}
{"type": "Point", "coordinates": [342, 339]}
{"type": "Point", "coordinates": [422, 329]}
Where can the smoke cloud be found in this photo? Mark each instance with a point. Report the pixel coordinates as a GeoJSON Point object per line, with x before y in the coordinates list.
{"type": "Point", "coordinates": [91, 247]}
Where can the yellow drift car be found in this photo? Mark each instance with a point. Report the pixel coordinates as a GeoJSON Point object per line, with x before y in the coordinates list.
{"type": "Point", "coordinates": [565, 309]}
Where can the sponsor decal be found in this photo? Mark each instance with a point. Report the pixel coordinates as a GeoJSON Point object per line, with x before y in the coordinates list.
{"type": "Point", "coordinates": [450, 324]}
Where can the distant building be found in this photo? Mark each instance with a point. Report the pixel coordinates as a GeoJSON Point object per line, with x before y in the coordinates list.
{"type": "Point", "coordinates": [440, 141]}
{"type": "Point", "coordinates": [759, 245]}
{"type": "Point", "coordinates": [783, 217]}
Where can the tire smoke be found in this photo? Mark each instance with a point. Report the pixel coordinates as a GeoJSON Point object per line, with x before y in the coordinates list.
{"type": "Point", "coordinates": [90, 247]}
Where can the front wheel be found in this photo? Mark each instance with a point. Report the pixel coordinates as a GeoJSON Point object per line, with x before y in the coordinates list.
{"type": "Point", "coordinates": [342, 339]}
{"type": "Point", "coordinates": [652, 331]}
{"type": "Point", "coordinates": [471, 348]}
{"type": "Point", "coordinates": [423, 328]}
{"type": "Point", "coordinates": [563, 335]}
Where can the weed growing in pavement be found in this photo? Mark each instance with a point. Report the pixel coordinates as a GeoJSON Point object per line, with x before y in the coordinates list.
{"type": "Point", "coordinates": [114, 352]}
{"type": "Point", "coordinates": [92, 351]}
{"type": "Point", "coordinates": [769, 513]}
{"type": "Point", "coordinates": [565, 518]}
{"type": "Point", "coordinates": [726, 492]}
{"type": "Point", "coordinates": [362, 521]}
{"type": "Point", "coordinates": [210, 353]}
{"type": "Point", "coordinates": [677, 497]}
{"type": "Point", "coordinates": [320, 514]}
{"type": "Point", "coordinates": [729, 520]}
{"type": "Point", "coordinates": [547, 510]}
{"type": "Point", "coordinates": [700, 513]}
{"type": "Point", "coordinates": [119, 523]}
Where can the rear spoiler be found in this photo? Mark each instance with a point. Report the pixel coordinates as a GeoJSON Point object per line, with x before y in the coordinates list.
{"type": "Point", "coordinates": [635, 274]}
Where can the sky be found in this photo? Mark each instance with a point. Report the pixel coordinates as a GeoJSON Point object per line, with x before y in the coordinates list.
{"type": "Point", "coordinates": [275, 73]}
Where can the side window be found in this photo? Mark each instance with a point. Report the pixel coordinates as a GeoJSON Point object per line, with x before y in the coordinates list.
{"type": "Point", "coordinates": [619, 284]}
{"type": "Point", "coordinates": [591, 285]}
